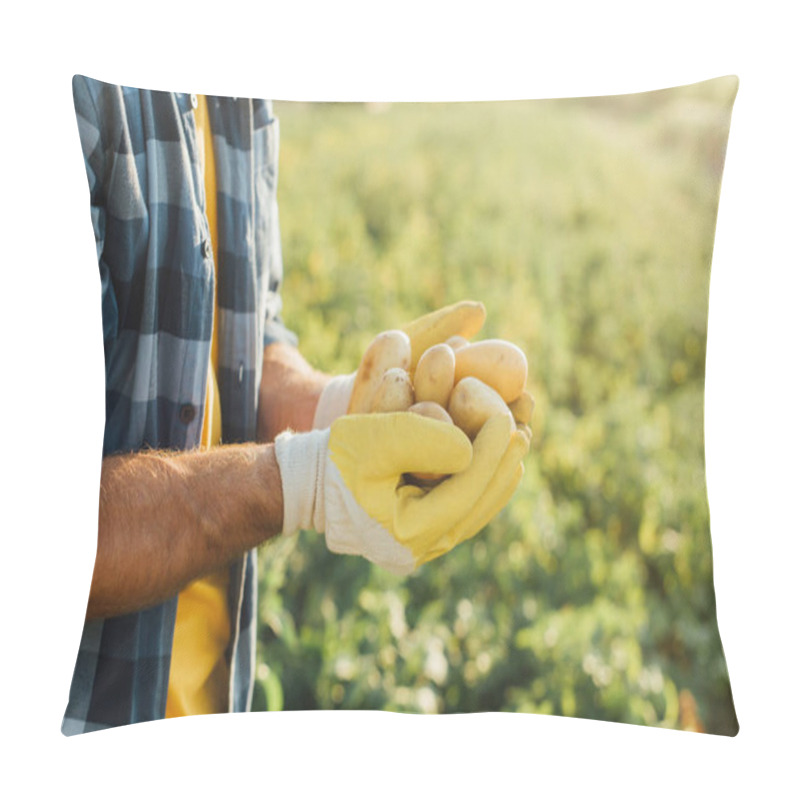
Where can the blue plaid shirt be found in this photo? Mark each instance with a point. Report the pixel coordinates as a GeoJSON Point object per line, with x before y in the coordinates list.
{"type": "Point", "coordinates": [157, 278]}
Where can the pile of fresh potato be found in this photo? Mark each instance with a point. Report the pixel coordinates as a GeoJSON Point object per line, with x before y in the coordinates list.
{"type": "Point", "coordinates": [457, 382]}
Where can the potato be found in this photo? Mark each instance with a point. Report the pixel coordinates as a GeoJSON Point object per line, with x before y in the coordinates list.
{"type": "Point", "coordinates": [395, 392]}
{"type": "Point", "coordinates": [497, 363]}
{"type": "Point", "coordinates": [472, 402]}
{"type": "Point", "coordinates": [427, 408]}
{"type": "Point", "coordinates": [435, 373]}
{"type": "Point", "coordinates": [457, 342]}
{"type": "Point", "coordinates": [387, 350]}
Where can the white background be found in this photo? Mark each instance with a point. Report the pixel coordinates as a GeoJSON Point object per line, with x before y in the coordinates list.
{"type": "Point", "coordinates": [52, 386]}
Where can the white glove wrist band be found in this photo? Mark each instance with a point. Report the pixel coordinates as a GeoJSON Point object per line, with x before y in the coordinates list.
{"type": "Point", "coordinates": [301, 460]}
{"type": "Point", "coordinates": [334, 400]}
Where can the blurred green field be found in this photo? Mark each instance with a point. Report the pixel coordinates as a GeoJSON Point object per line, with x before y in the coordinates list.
{"type": "Point", "coordinates": [586, 227]}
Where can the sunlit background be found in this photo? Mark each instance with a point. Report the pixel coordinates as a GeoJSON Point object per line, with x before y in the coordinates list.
{"type": "Point", "coordinates": [586, 228]}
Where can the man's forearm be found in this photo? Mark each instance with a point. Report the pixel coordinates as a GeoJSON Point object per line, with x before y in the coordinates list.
{"type": "Point", "coordinates": [167, 518]}
{"type": "Point", "coordinates": [290, 390]}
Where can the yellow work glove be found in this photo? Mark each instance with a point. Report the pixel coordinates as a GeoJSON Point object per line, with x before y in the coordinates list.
{"type": "Point", "coordinates": [464, 319]}
{"type": "Point", "coordinates": [348, 483]}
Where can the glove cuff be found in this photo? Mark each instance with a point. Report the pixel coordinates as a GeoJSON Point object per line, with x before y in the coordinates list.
{"type": "Point", "coordinates": [334, 400]}
{"type": "Point", "coordinates": [301, 459]}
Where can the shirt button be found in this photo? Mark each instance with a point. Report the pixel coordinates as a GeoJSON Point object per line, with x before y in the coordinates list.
{"type": "Point", "coordinates": [187, 413]}
{"type": "Point", "coordinates": [193, 98]}
{"type": "Point", "coordinates": [207, 250]}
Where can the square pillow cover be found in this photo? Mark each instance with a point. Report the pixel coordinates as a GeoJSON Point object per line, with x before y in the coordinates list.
{"type": "Point", "coordinates": [584, 228]}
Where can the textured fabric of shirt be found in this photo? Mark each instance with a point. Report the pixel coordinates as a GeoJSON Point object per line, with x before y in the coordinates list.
{"type": "Point", "coordinates": [155, 259]}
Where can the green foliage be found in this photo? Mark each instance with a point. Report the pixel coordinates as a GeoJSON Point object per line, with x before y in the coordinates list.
{"type": "Point", "coordinates": [586, 228]}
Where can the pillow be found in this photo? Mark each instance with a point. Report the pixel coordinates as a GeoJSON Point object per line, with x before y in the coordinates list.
{"type": "Point", "coordinates": [586, 227]}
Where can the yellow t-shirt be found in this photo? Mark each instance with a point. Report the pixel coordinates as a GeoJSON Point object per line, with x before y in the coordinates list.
{"type": "Point", "coordinates": [199, 674]}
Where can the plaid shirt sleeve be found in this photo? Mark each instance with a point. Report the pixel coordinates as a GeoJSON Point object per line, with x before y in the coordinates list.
{"type": "Point", "coordinates": [157, 282]}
